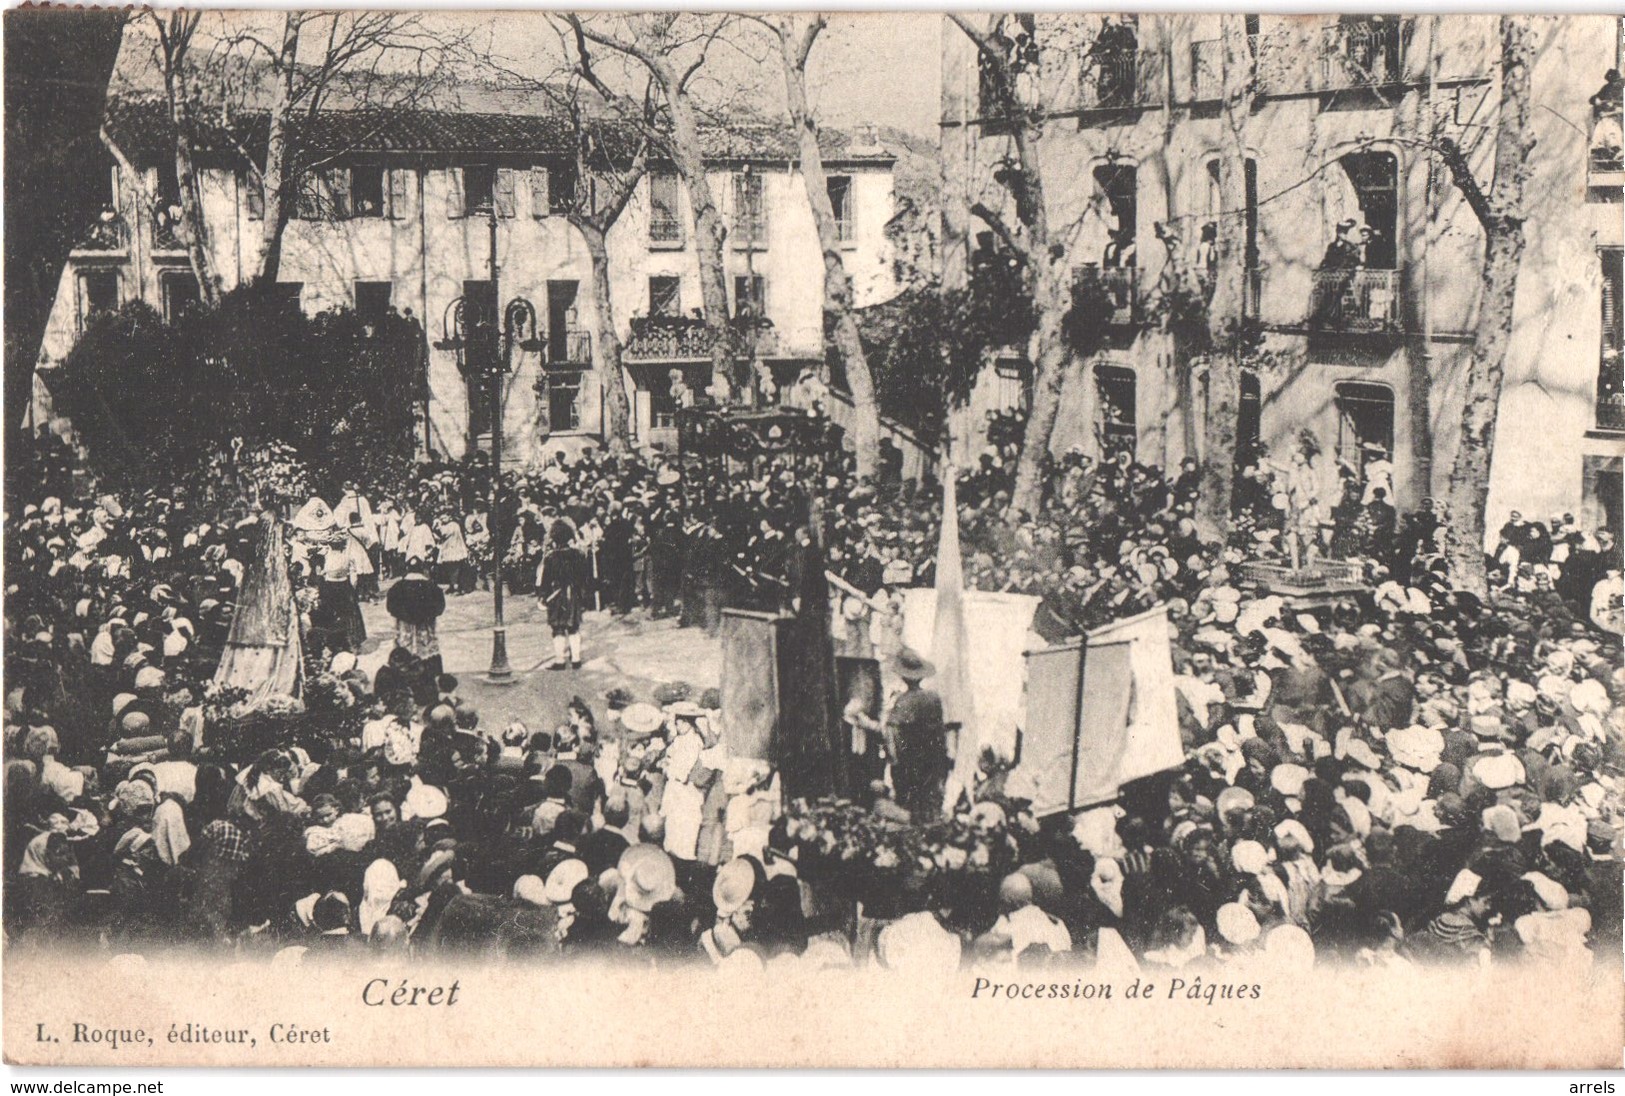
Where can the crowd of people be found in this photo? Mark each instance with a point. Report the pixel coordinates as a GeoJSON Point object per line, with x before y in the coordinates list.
{"type": "Point", "coordinates": [1405, 774]}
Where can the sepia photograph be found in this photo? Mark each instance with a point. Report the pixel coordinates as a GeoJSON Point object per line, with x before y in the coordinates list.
{"type": "Point", "coordinates": [1092, 539]}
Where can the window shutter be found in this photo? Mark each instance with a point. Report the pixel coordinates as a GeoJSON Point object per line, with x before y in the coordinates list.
{"type": "Point", "coordinates": [253, 198]}
{"type": "Point", "coordinates": [338, 193]}
{"type": "Point", "coordinates": [396, 181]}
{"type": "Point", "coordinates": [309, 204]}
{"type": "Point", "coordinates": [539, 203]}
{"type": "Point", "coordinates": [454, 195]}
{"type": "Point", "coordinates": [504, 192]}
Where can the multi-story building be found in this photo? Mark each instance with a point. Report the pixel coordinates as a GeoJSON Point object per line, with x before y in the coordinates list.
{"type": "Point", "coordinates": [401, 219]}
{"type": "Point", "coordinates": [1345, 122]}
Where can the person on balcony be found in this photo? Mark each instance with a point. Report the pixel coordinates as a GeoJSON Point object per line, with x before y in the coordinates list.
{"type": "Point", "coordinates": [1608, 125]}
{"type": "Point", "coordinates": [1336, 274]}
{"type": "Point", "coordinates": [1113, 54]}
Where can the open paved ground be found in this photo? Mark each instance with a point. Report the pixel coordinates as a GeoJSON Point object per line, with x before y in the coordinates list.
{"type": "Point", "coordinates": [635, 652]}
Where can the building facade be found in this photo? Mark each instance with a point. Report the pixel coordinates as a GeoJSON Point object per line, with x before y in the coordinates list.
{"type": "Point", "coordinates": [1346, 120]}
{"type": "Point", "coordinates": [402, 219]}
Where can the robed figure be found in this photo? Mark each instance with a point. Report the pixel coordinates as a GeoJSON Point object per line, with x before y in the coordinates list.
{"type": "Point", "coordinates": [810, 754]}
{"type": "Point", "coordinates": [263, 653]}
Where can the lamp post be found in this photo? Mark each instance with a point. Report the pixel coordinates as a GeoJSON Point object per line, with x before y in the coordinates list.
{"type": "Point", "coordinates": [486, 357]}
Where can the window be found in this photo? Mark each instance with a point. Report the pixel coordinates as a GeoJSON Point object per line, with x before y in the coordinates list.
{"type": "Point", "coordinates": [1115, 429]}
{"type": "Point", "coordinates": [288, 293]}
{"type": "Point", "coordinates": [564, 342]}
{"type": "Point", "coordinates": [750, 295]}
{"type": "Point", "coordinates": [479, 351]}
{"type": "Point", "coordinates": [564, 399]}
{"type": "Point", "coordinates": [1017, 35]}
{"type": "Point", "coordinates": [1375, 178]}
{"type": "Point", "coordinates": [662, 407]}
{"type": "Point", "coordinates": [1611, 371]}
{"type": "Point", "coordinates": [1365, 424]}
{"type": "Point", "coordinates": [323, 195]}
{"type": "Point", "coordinates": [367, 190]}
{"type": "Point", "coordinates": [372, 301]}
{"type": "Point", "coordinates": [1215, 204]}
{"type": "Point", "coordinates": [665, 295]}
{"type": "Point", "coordinates": [1111, 72]}
{"type": "Point", "coordinates": [1015, 383]}
{"type": "Point", "coordinates": [750, 214]}
{"type": "Point", "coordinates": [479, 188]}
{"type": "Point", "coordinates": [665, 226]}
{"type": "Point", "coordinates": [98, 292]}
{"type": "Point", "coordinates": [180, 293]}
{"type": "Point", "coordinates": [1249, 418]}
{"type": "Point", "coordinates": [1118, 185]}
{"type": "Point", "coordinates": [1365, 51]}
{"type": "Point", "coordinates": [840, 199]}
{"type": "Point", "coordinates": [562, 183]}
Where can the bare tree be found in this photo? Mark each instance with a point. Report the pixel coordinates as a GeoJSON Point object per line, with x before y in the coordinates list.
{"type": "Point", "coordinates": [370, 62]}
{"type": "Point", "coordinates": [1225, 307]}
{"type": "Point", "coordinates": [1500, 210]}
{"type": "Point", "coordinates": [795, 37]}
{"type": "Point", "coordinates": [608, 175]}
{"type": "Point", "coordinates": [672, 48]}
{"type": "Point", "coordinates": [1043, 255]}
{"type": "Point", "coordinates": [176, 31]}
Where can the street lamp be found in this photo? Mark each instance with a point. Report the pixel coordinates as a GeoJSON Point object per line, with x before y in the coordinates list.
{"type": "Point", "coordinates": [485, 355]}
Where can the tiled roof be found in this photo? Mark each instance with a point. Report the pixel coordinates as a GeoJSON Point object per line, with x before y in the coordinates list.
{"type": "Point", "coordinates": [141, 128]}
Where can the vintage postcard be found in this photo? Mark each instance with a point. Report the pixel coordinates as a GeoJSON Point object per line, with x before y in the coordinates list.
{"type": "Point", "coordinates": [915, 539]}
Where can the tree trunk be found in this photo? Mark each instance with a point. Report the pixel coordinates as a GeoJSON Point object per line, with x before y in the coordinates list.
{"type": "Point", "coordinates": [1051, 297]}
{"type": "Point", "coordinates": [839, 323]}
{"type": "Point", "coordinates": [709, 233]}
{"type": "Point", "coordinates": [193, 231]}
{"type": "Point", "coordinates": [275, 181]}
{"type": "Point", "coordinates": [1225, 305]}
{"type": "Point", "coordinates": [1501, 213]}
{"type": "Point", "coordinates": [1470, 473]}
{"type": "Point", "coordinates": [606, 351]}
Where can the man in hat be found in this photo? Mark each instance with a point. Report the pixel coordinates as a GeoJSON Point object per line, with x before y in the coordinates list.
{"type": "Point", "coordinates": [917, 740]}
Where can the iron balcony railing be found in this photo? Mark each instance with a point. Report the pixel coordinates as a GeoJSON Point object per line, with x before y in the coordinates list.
{"type": "Point", "coordinates": [748, 231]}
{"type": "Point", "coordinates": [668, 344]}
{"type": "Point", "coordinates": [1119, 80]}
{"type": "Point", "coordinates": [1364, 54]}
{"type": "Point", "coordinates": [109, 232]}
{"type": "Point", "coordinates": [1356, 301]}
{"type": "Point", "coordinates": [1119, 285]}
{"type": "Point", "coordinates": [666, 230]}
{"type": "Point", "coordinates": [570, 347]}
{"type": "Point", "coordinates": [165, 237]}
{"type": "Point", "coordinates": [1611, 412]}
{"type": "Point", "coordinates": [1207, 68]}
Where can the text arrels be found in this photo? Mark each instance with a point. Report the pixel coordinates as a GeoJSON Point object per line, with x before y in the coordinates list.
{"type": "Point", "coordinates": [399, 994]}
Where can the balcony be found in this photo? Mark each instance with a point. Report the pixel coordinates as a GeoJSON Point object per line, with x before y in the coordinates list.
{"type": "Point", "coordinates": [1252, 290]}
{"type": "Point", "coordinates": [748, 232]}
{"type": "Point", "coordinates": [109, 232]}
{"type": "Point", "coordinates": [666, 230]}
{"type": "Point", "coordinates": [1121, 80]}
{"type": "Point", "coordinates": [1605, 173]}
{"type": "Point", "coordinates": [571, 347]}
{"type": "Point", "coordinates": [667, 338]}
{"type": "Point", "coordinates": [1118, 286]}
{"type": "Point", "coordinates": [1207, 68]}
{"type": "Point", "coordinates": [1365, 54]}
{"type": "Point", "coordinates": [1356, 302]}
{"type": "Point", "coordinates": [165, 234]}
{"type": "Point", "coordinates": [1611, 412]}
